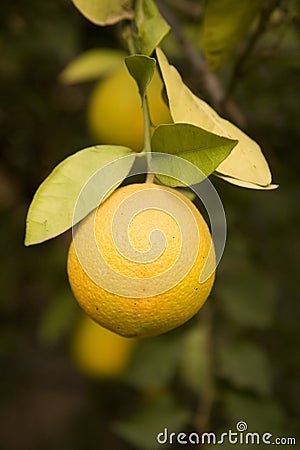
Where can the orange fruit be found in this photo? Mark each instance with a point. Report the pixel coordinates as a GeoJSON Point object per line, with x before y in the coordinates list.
{"type": "Point", "coordinates": [143, 262]}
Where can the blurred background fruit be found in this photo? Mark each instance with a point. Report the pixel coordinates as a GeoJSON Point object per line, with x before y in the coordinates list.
{"type": "Point", "coordinates": [99, 353]}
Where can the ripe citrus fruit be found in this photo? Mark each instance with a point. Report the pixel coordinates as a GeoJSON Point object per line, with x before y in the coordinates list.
{"type": "Point", "coordinates": [115, 113]}
{"type": "Point", "coordinates": [99, 353]}
{"type": "Point", "coordinates": [134, 263]}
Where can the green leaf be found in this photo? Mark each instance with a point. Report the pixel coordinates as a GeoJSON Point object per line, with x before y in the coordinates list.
{"type": "Point", "coordinates": [152, 27]}
{"type": "Point", "coordinates": [246, 366]}
{"type": "Point", "coordinates": [261, 415]}
{"type": "Point", "coordinates": [225, 24]}
{"type": "Point", "coordinates": [249, 299]}
{"type": "Point", "coordinates": [141, 68]}
{"type": "Point", "coordinates": [154, 362]}
{"type": "Point", "coordinates": [187, 192]}
{"type": "Point", "coordinates": [141, 429]}
{"type": "Point", "coordinates": [194, 364]}
{"type": "Point", "coordinates": [246, 162]}
{"type": "Point", "coordinates": [105, 12]}
{"type": "Point", "coordinates": [92, 65]}
{"type": "Point", "coordinates": [58, 317]}
{"type": "Point", "coordinates": [52, 209]}
{"type": "Point", "coordinates": [203, 149]}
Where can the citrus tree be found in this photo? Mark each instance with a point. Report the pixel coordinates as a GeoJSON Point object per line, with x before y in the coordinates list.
{"type": "Point", "coordinates": [142, 259]}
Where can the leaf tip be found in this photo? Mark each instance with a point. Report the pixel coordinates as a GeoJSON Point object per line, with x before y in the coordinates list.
{"type": "Point", "coordinates": [27, 240]}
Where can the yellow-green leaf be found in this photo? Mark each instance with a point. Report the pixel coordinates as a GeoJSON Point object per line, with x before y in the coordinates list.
{"type": "Point", "coordinates": [92, 65]}
{"type": "Point", "coordinates": [246, 162]}
{"type": "Point", "coordinates": [246, 184]}
{"type": "Point", "coordinates": [105, 12]}
{"type": "Point", "coordinates": [225, 24]}
{"type": "Point", "coordinates": [52, 209]}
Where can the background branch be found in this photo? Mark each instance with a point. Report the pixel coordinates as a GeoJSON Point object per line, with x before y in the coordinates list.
{"type": "Point", "coordinates": [242, 58]}
{"type": "Point", "coordinates": [210, 83]}
{"type": "Point", "coordinates": [187, 7]}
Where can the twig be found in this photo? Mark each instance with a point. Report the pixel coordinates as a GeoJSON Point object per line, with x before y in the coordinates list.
{"type": "Point", "coordinates": [203, 414]}
{"type": "Point", "coordinates": [211, 84]}
{"type": "Point", "coordinates": [187, 7]}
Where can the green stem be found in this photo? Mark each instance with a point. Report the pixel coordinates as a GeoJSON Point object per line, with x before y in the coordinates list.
{"type": "Point", "coordinates": [128, 36]}
{"type": "Point", "coordinates": [131, 44]}
{"type": "Point", "coordinates": [147, 138]}
{"type": "Point", "coordinates": [147, 124]}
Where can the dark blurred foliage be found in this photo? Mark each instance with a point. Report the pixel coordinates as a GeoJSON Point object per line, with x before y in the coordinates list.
{"type": "Point", "coordinates": [239, 360]}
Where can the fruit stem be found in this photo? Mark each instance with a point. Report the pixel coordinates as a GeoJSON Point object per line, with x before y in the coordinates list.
{"type": "Point", "coordinates": [150, 177]}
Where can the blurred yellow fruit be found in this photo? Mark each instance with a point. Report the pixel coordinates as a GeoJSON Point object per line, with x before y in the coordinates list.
{"type": "Point", "coordinates": [98, 352]}
{"type": "Point", "coordinates": [115, 114]}
{"type": "Point", "coordinates": [134, 264]}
